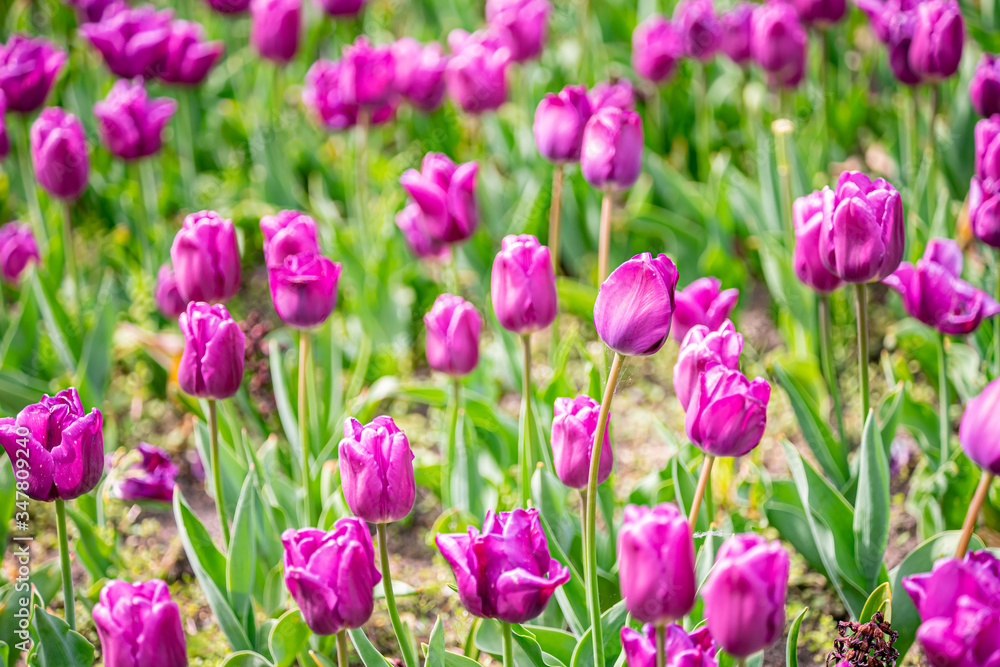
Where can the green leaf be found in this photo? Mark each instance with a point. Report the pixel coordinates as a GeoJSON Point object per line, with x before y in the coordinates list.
{"type": "Point", "coordinates": [246, 659]}
{"type": "Point", "coordinates": [289, 637]}
{"type": "Point", "coordinates": [435, 646]}
{"type": "Point", "coordinates": [792, 646]}
{"type": "Point", "coordinates": [286, 413]}
{"type": "Point", "coordinates": [556, 643]}
{"type": "Point", "coordinates": [241, 564]}
{"type": "Point", "coordinates": [890, 413]}
{"type": "Point", "coordinates": [55, 645]}
{"type": "Point", "coordinates": [321, 660]}
{"type": "Point", "coordinates": [880, 599]}
{"type": "Point", "coordinates": [871, 512]}
{"type": "Point", "coordinates": [4, 652]}
{"type": "Point", "coordinates": [524, 640]}
{"type": "Point", "coordinates": [612, 622]}
{"type": "Point", "coordinates": [368, 653]}
{"type": "Point", "coordinates": [96, 553]}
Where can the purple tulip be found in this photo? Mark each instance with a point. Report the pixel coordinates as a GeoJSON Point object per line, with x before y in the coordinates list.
{"type": "Point", "coordinates": [504, 572]}
{"type": "Point", "coordinates": [187, 57]}
{"type": "Point", "coordinates": [894, 22]}
{"type": "Point", "coordinates": [139, 624]}
{"type": "Point", "coordinates": [4, 140]}
{"type": "Point", "coordinates": [984, 88]}
{"type": "Point", "coordinates": [150, 476]}
{"type": "Point", "coordinates": [657, 47]}
{"type": "Point", "coordinates": [229, 6]}
{"type": "Point", "coordinates": [656, 563]}
{"type": "Point", "coordinates": [618, 94]}
{"type": "Point", "coordinates": [977, 432]}
{"type": "Point", "coordinates": [702, 302]}
{"type": "Point", "coordinates": [559, 122]}
{"type": "Point", "coordinates": [523, 285]}
{"type": "Point", "coordinates": [984, 213]}
{"type": "Point", "coordinates": [808, 216]}
{"type": "Point", "coordinates": [130, 123]}
{"type": "Point", "coordinates": [332, 575]}
{"type": "Point", "coordinates": [411, 223]}
{"type": "Point", "coordinates": [574, 426]}
{"type": "Point", "coordinates": [419, 72]}
{"type": "Point", "coordinates": [341, 8]}
{"type": "Point", "coordinates": [611, 155]}
{"type": "Point", "coordinates": [938, 35]}
{"type": "Point", "coordinates": [680, 648]}
{"type": "Point", "coordinates": [863, 240]}
{"type": "Point", "coordinates": [727, 413]}
{"type": "Point", "coordinates": [61, 445]}
{"type": "Point", "coordinates": [445, 193]}
{"type": "Point", "coordinates": [701, 349]}
{"type": "Point", "coordinates": [304, 289]}
{"type": "Point", "coordinates": [89, 11]}
{"type": "Point", "coordinates": [211, 365]}
{"type": "Point", "coordinates": [366, 79]}
{"type": "Point", "coordinates": [287, 233]}
{"type": "Point", "coordinates": [987, 142]}
{"type": "Point", "coordinates": [476, 73]}
{"type": "Point", "coordinates": [737, 26]}
{"type": "Point", "coordinates": [522, 23]}
{"type": "Point", "coordinates": [131, 40]}
{"type": "Point", "coordinates": [635, 305]}
{"type": "Point", "coordinates": [167, 294]}
{"type": "Point", "coordinates": [28, 68]}
{"type": "Point", "coordinates": [453, 327]}
{"type": "Point", "coordinates": [959, 606]}
{"type": "Point", "coordinates": [59, 153]}
{"type": "Point", "coordinates": [323, 96]}
{"type": "Point", "coordinates": [376, 470]}
{"type": "Point", "coordinates": [206, 258]}
{"type": "Point", "coordinates": [822, 13]}
{"type": "Point", "coordinates": [274, 30]}
{"type": "Point", "coordinates": [699, 28]}
{"type": "Point", "coordinates": [778, 43]}
{"type": "Point", "coordinates": [17, 250]}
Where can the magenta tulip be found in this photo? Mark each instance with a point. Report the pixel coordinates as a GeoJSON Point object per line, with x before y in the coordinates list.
{"type": "Point", "coordinates": [304, 289]}
{"type": "Point", "coordinates": [701, 349]}
{"type": "Point", "coordinates": [187, 57]}
{"type": "Point", "coordinates": [617, 94]}
{"type": "Point", "coordinates": [287, 233]}
{"type": "Point", "coordinates": [138, 624]}
{"type": "Point", "coordinates": [987, 144]}
{"type": "Point", "coordinates": [4, 140]}
{"type": "Point", "coordinates": [698, 27]}
{"type": "Point", "coordinates": [977, 432]}
{"type": "Point", "coordinates": [419, 72]}
{"type": "Point", "coordinates": [611, 155]}
{"type": "Point", "coordinates": [559, 122]}
{"type": "Point", "coordinates": [737, 28]}
{"type": "Point", "coordinates": [167, 294]}
{"type": "Point", "coordinates": [523, 285]}
{"type": "Point", "coordinates": [778, 43]}
{"type": "Point", "coordinates": [657, 47]}
{"type": "Point", "coordinates": [984, 88]}
{"type": "Point", "coordinates": [680, 648]}
{"type": "Point", "coordinates": [822, 13]}
{"type": "Point", "coordinates": [574, 426]}
{"type": "Point", "coordinates": [635, 305]}
{"type": "Point", "coordinates": [453, 327]}
{"type": "Point", "coordinates": [809, 214]}
{"type": "Point", "coordinates": [89, 11]}
{"type": "Point", "coordinates": [476, 74]}
{"type": "Point", "coordinates": [17, 250]}
{"type": "Point", "coordinates": [938, 35]}
{"type": "Point", "coordinates": [376, 470]}
{"type": "Point", "coordinates": [274, 28]}
{"type": "Point", "coordinates": [131, 40]}
{"type": "Point", "coordinates": [323, 95]}
{"type": "Point", "coordinates": [368, 74]}
{"type": "Point", "coordinates": [522, 23]}
{"type": "Point", "coordinates": [702, 302]}
{"type": "Point", "coordinates": [211, 365]}
{"type": "Point", "coordinates": [206, 258]}
{"type": "Point", "coordinates": [59, 153]}
{"type": "Point", "coordinates": [229, 6]}
{"type": "Point", "coordinates": [341, 8]}
{"type": "Point", "coordinates": [410, 222]}
{"type": "Point", "coordinates": [984, 213]}
{"type": "Point", "coordinates": [28, 68]}
{"type": "Point", "coordinates": [445, 193]}
{"type": "Point", "coordinates": [150, 475]}
{"type": "Point", "coordinates": [130, 123]}
{"type": "Point", "coordinates": [727, 413]}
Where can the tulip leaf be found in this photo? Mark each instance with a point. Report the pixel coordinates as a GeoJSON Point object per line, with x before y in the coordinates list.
{"type": "Point", "coordinates": [435, 647]}
{"type": "Point", "coordinates": [871, 512]}
{"type": "Point", "coordinates": [876, 601]}
{"type": "Point", "coordinates": [242, 562]}
{"type": "Point", "coordinates": [286, 413]}
{"type": "Point", "coordinates": [96, 553]}
{"type": "Point", "coordinates": [792, 646]}
{"type": "Point", "coordinates": [55, 645]}
{"type": "Point", "coordinates": [57, 323]}
{"type": "Point", "coordinates": [612, 622]}
{"type": "Point", "coordinates": [4, 653]}
{"type": "Point", "coordinates": [246, 659]}
{"type": "Point", "coordinates": [289, 637]}
{"type": "Point", "coordinates": [369, 654]}
{"type": "Point", "coordinates": [558, 644]}
{"type": "Point", "coordinates": [321, 660]}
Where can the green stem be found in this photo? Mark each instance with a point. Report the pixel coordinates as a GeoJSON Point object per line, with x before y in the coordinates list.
{"type": "Point", "coordinates": [220, 503]}
{"type": "Point", "coordinates": [390, 598]}
{"type": "Point", "coordinates": [943, 402]}
{"type": "Point", "coordinates": [661, 637]}
{"type": "Point", "coordinates": [583, 522]}
{"type": "Point", "coordinates": [527, 423]}
{"type": "Point", "coordinates": [861, 292]}
{"type": "Point", "coordinates": [826, 359]}
{"type": "Point", "coordinates": [67, 571]}
{"type": "Point", "coordinates": [782, 129]}
{"type": "Point", "coordinates": [604, 237]}
{"type": "Point", "coordinates": [699, 492]}
{"type": "Point", "coordinates": [449, 454]}
{"type": "Point", "coordinates": [28, 182]}
{"type": "Point", "coordinates": [826, 46]}
{"type": "Point", "coordinates": [69, 249]}
{"type": "Point", "coordinates": [307, 486]}
{"type": "Point", "coordinates": [361, 164]}
{"type": "Point", "coordinates": [508, 645]}
{"type": "Point", "coordinates": [147, 179]}
{"type": "Point", "coordinates": [342, 660]}
{"type": "Point", "coordinates": [973, 514]}
{"type": "Point", "coordinates": [704, 119]}
{"type": "Point", "coordinates": [932, 154]}
{"type": "Point", "coordinates": [185, 140]}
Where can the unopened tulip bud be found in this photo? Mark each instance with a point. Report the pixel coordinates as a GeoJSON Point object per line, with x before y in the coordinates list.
{"type": "Point", "coordinates": [138, 624]}
{"type": "Point", "coordinates": [376, 470]}
{"type": "Point", "coordinates": [523, 285]}
{"type": "Point", "coordinates": [635, 305]}
{"type": "Point", "coordinates": [702, 302]}
{"type": "Point", "coordinates": [211, 365]}
{"type": "Point", "coordinates": [28, 68]}
{"type": "Point", "coordinates": [611, 155]}
{"type": "Point", "coordinates": [574, 427]}
{"type": "Point", "coordinates": [727, 413]}
{"type": "Point", "coordinates": [59, 153]}
{"type": "Point", "coordinates": [453, 328]}
{"type": "Point", "coordinates": [657, 47]}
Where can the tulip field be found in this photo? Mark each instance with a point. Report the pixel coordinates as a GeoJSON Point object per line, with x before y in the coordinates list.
{"type": "Point", "coordinates": [533, 333]}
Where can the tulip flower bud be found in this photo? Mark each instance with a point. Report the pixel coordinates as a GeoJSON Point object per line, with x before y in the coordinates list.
{"type": "Point", "coordinates": [89, 11]}
{"type": "Point", "coordinates": [611, 155]}
{"type": "Point", "coordinates": [699, 28]}
{"type": "Point", "coordinates": [131, 124]}
{"type": "Point", "coordinates": [574, 426]}
{"type": "Point", "coordinates": [987, 142]}
{"type": "Point", "coordinates": [149, 475]}
{"type": "Point", "coordinates": [17, 249]}
{"type": "Point", "coordinates": [64, 445]}
{"type": "Point", "coordinates": [376, 470]}
{"type": "Point", "coordinates": [863, 240]}
{"type": "Point", "coordinates": [521, 575]}
{"type": "Point", "coordinates": [702, 302]}
{"type": "Point", "coordinates": [453, 328]}
{"type": "Point", "coordinates": [737, 26]}
{"type": "Point", "coordinates": [808, 216]}
{"type": "Point", "coordinates": [131, 40]}
{"type": "Point", "coordinates": [778, 43]}
{"type": "Point", "coordinates": [619, 95]}
{"type": "Point", "coordinates": [701, 349]}
{"type": "Point", "coordinates": [419, 72]}
{"type": "Point", "coordinates": [323, 96]}
{"type": "Point", "coordinates": [274, 28]}
{"type": "Point", "coordinates": [657, 47]}
{"type": "Point", "coordinates": [139, 624]}
{"type": "Point", "coordinates": [332, 575]}
{"type": "Point", "coordinates": [727, 413]}
{"type": "Point", "coordinates": [476, 74]}
{"type": "Point", "coordinates": [977, 432]}
{"type": "Point", "coordinates": [745, 594]}
{"type": "Point", "coordinates": [822, 13]}
{"type": "Point", "coordinates": [635, 305]}
{"type": "Point", "coordinates": [656, 563]}
{"type": "Point", "coordinates": [287, 233]}
{"type": "Point", "coordinates": [522, 23]}
{"type": "Point", "coordinates": [680, 648]}
{"type": "Point", "coordinates": [206, 258]}
{"type": "Point", "coordinates": [341, 8]}
{"type": "Point", "coordinates": [304, 289]}
{"type": "Point", "coordinates": [445, 195]}
{"type": "Point", "coordinates": [187, 57]}
{"type": "Point", "coordinates": [984, 88]}
{"type": "Point", "coordinates": [894, 22]}
{"type": "Point", "coordinates": [984, 213]}
{"type": "Point", "coordinates": [229, 6]}
{"type": "Point", "coordinates": [211, 365]}
{"type": "Point", "coordinates": [59, 153]}
{"type": "Point", "coordinates": [938, 35]}
{"type": "Point", "coordinates": [28, 68]}
{"type": "Point", "coordinates": [411, 223]}
{"type": "Point", "coordinates": [523, 285]}
{"type": "Point", "coordinates": [559, 122]}
{"type": "Point", "coordinates": [368, 74]}
{"type": "Point", "coordinates": [167, 294]}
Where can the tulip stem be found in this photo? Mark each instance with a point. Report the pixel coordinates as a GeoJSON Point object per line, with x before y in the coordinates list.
{"type": "Point", "coordinates": [970, 518]}
{"type": "Point", "coordinates": [699, 492]}
{"type": "Point", "coordinates": [342, 660]}
{"type": "Point", "coordinates": [703, 120]}
{"type": "Point", "coordinates": [67, 571]}
{"type": "Point", "coordinates": [661, 640]}
{"type": "Point", "coordinates": [28, 182]}
{"type": "Point", "coordinates": [390, 598]}
{"type": "Point", "coordinates": [307, 487]}
{"type": "Point", "coordinates": [361, 164]}
{"type": "Point", "coordinates": [527, 423]}
{"type": "Point", "coordinates": [826, 359]}
{"type": "Point", "coordinates": [185, 141]}
{"type": "Point", "coordinates": [583, 519]}
{"type": "Point", "coordinates": [593, 594]}
{"type": "Point", "coordinates": [943, 402]}
{"type": "Point", "coordinates": [147, 182]}
{"type": "Point", "coordinates": [508, 644]}
{"type": "Point", "coordinates": [220, 504]}
{"type": "Point", "coordinates": [782, 129]}
{"type": "Point", "coordinates": [69, 250]}
{"type": "Point", "coordinates": [604, 240]}
{"type": "Point", "coordinates": [449, 454]}
{"type": "Point", "coordinates": [554, 220]}
{"type": "Point", "coordinates": [861, 292]}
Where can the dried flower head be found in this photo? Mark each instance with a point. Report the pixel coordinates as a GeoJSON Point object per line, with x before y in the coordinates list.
{"type": "Point", "coordinates": [864, 644]}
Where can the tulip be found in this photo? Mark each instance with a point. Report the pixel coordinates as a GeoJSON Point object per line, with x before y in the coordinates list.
{"type": "Point", "coordinates": [28, 68]}
{"type": "Point", "coordinates": [131, 40]}
{"type": "Point", "coordinates": [167, 294]}
{"type": "Point", "coordinates": [211, 365]}
{"type": "Point", "coordinates": [419, 72]}
{"type": "Point", "coordinates": [323, 96]}
{"type": "Point", "coordinates": [59, 153]}
{"type": "Point", "coordinates": [656, 563]}
{"type": "Point", "coordinates": [62, 445]}
{"type": "Point", "coordinates": [187, 57]}
{"type": "Point", "coordinates": [657, 47]}
{"type": "Point", "coordinates": [504, 572]}
{"type": "Point", "coordinates": [701, 349]}
{"type": "Point", "coordinates": [523, 285]}
{"type": "Point", "coordinates": [17, 250]}
{"type": "Point", "coordinates": [476, 73]}
{"type": "Point", "coordinates": [737, 25]}
{"type": "Point", "coordinates": [808, 216]}
{"type": "Point", "coordinates": [984, 88]}
{"type": "Point", "coordinates": [139, 624]}
{"type": "Point", "coordinates": [574, 426]}
{"type": "Point", "coordinates": [680, 648]}
{"type": "Point", "coordinates": [287, 233]}
{"type": "Point", "coordinates": [229, 6]}
{"type": "Point", "coordinates": [522, 23]}
{"type": "Point", "coordinates": [987, 142]}
{"type": "Point", "coordinates": [89, 11]}
{"type": "Point", "coordinates": [341, 7]}
{"type": "Point", "coordinates": [453, 327]}
{"type": "Point", "coordinates": [977, 432]}
{"type": "Point", "coordinates": [332, 575]}
{"type": "Point", "coordinates": [821, 12]}
{"type": "Point", "coordinates": [699, 28]}
{"type": "Point", "coordinates": [376, 470]}
{"type": "Point", "coordinates": [559, 122]}
{"type": "Point", "coordinates": [618, 94]}
{"type": "Point", "coordinates": [445, 195]}
{"type": "Point", "coordinates": [984, 213]}
{"type": "Point", "coordinates": [206, 258]}
{"type": "Point", "coordinates": [702, 302]}
{"type": "Point", "coordinates": [274, 30]}
{"type": "Point", "coordinates": [727, 413]}
{"type": "Point", "coordinates": [304, 289]}
{"type": "Point", "coordinates": [612, 148]}
{"type": "Point", "coordinates": [411, 223]}
{"type": "Point", "coordinates": [938, 35]}
{"type": "Point", "coordinates": [893, 22]}
{"type": "Point", "coordinates": [368, 74]}
{"type": "Point", "coordinates": [635, 305]}
{"type": "Point", "coordinates": [778, 43]}
{"type": "Point", "coordinates": [4, 141]}
{"type": "Point", "coordinates": [150, 476]}
{"type": "Point", "coordinates": [745, 594]}
{"type": "Point", "coordinates": [131, 124]}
